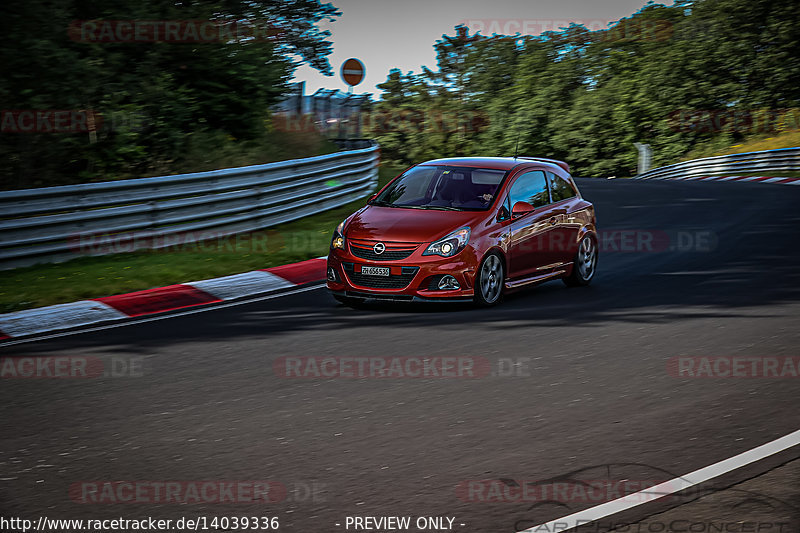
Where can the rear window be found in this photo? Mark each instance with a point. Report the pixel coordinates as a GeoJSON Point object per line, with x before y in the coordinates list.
{"type": "Point", "coordinates": [560, 189]}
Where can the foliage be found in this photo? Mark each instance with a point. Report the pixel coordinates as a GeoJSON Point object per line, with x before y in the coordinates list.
{"type": "Point", "coordinates": [667, 76]}
{"type": "Point", "coordinates": [157, 100]}
{"type": "Point", "coordinates": [788, 139]}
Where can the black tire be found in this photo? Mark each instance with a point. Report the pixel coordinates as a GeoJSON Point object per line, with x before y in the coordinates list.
{"type": "Point", "coordinates": [490, 280]}
{"type": "Point", "coordinates": [584, 265]}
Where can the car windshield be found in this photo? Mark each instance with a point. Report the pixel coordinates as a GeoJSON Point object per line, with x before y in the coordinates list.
{"type": "Point", "coordinates": [443, 187]}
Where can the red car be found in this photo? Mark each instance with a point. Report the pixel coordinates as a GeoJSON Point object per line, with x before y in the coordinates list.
{"type": "Point", "coordinates": [465, 229]}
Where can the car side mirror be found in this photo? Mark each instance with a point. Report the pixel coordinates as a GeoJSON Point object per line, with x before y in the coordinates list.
{"type": "Point", "coordinates": [521, 208]}
{"type": "Point", "coordinates": [503, 214]}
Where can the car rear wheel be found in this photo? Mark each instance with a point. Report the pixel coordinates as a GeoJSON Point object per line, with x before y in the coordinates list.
{"type": "Point", "coordinates": [489, 281]}
{"type": "Point", "coordinates": [585, 264]}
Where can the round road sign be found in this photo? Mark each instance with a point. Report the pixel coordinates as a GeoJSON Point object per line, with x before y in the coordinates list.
{"type": "Point", "coordinates": [352, 71]}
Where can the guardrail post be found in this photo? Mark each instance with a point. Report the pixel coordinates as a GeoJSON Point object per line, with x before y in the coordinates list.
{"type": "Point", "coordinates": [645, 154]}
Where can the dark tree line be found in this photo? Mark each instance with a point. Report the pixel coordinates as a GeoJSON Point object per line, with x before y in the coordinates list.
{"type": "Point", "coordinates": [677, 77]}
{"type": "Point", "coordinates": [160, 106]}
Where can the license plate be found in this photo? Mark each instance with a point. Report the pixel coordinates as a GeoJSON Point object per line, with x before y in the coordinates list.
{"type": "Point", "coordinates": [375, 271]}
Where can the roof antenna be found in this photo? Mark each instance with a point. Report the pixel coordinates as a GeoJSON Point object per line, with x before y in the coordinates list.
{"type": "Point", "coordinates": [516, 148]}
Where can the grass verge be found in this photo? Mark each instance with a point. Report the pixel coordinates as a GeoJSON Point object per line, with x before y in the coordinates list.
{"type": "Point", "coordinates": [92, 277]}
{"type": "Point", "coordinates": [788, 139]}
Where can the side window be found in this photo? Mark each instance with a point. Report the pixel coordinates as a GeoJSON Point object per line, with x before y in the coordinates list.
{"type": "Point", "coordinates": [560, 187]}
{"type": "Point", "coordinates": [531, 187]}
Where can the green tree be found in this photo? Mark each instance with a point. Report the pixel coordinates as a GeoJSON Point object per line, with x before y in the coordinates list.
{"type": "Point", "coordinates": [160, 101]}
{"type": "Point", "coordinates": [587, 96]}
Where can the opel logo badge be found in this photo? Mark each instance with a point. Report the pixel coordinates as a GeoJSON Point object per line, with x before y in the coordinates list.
{"type": "Point", "coordinates": [379, 248]}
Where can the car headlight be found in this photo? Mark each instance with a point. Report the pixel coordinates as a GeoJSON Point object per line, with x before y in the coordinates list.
{"type": "Point", "coordinates": [451, 244]}
{"type": "Point", "coordinates": [338, 237]}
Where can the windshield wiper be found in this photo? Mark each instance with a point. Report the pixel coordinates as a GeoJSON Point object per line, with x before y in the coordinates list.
{"type": "Point", "coordinates": [382, 203]}
{"type": "Point", "coordinates": [401, 206]}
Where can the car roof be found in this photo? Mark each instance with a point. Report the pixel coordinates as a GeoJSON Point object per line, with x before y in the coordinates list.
{"type": "Point", "coordinates": [498, 163]}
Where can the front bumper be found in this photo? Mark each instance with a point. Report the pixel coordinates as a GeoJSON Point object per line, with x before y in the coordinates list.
{"type": "Point", "coordinates": [371, 296]}
{"type": "Point", "coordinates": [410, 279]}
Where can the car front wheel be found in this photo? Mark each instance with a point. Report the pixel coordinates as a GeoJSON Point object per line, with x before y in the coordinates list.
{"type": "Point", "coordinates": [489, 282]}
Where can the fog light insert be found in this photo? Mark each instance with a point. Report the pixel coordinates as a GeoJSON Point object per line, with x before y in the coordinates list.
{"type": "Point", "coordinates": [448, 283]}
{"type": "Point", "coordinates": [332, 274]}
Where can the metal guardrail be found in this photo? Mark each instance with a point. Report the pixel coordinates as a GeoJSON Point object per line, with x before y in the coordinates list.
{"type": "Point", "coordinates": [49, 224]}
{"type": "Point", "coordinates": [765, 163]}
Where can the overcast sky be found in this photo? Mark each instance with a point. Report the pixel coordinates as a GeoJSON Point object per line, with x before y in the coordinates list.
{"type": "Point", "coordinates": [387, 34]}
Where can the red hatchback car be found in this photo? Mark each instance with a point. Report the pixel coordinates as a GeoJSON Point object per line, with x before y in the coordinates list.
{"type": "Point", "coordinates": [465, 229]}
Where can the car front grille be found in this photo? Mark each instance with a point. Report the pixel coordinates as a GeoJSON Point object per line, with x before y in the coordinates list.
{"type": "Point", "coordinates": [400, 281]}
{"type": "Point", "coordinates": [393, 252]}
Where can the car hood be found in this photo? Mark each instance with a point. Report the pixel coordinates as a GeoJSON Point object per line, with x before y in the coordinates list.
{"type": "Point", "coordinates": [396, 224]}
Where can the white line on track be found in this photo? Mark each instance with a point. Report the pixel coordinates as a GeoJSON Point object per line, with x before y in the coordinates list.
{"type": "Point", "coordinates": [669, 487]}
{"type": "Point", "coordinates": [202, 309]}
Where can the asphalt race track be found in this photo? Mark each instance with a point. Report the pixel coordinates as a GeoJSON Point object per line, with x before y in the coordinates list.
{"type": "Point", "coordinates": [591, 385]}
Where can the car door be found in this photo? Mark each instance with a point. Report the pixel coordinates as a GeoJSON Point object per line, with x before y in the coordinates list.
{"type": "Point", "coordinates": [530, 235]}
{"type": "Point", "coordinates": [565, 233]}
